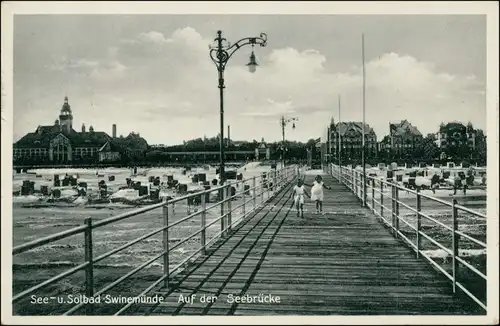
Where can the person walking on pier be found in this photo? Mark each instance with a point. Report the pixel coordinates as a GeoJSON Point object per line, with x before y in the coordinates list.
{"type": "Point", "coordinates": [298, 193]}
{"type": "Point", "coordinates": [317, 193]}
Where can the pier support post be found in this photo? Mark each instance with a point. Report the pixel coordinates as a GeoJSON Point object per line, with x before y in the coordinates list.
{"type": "Point", "coordinates": [89, 270]}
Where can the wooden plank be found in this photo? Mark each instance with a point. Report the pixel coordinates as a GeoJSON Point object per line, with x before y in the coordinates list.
{"type": "Point", "coordinates": [342, 263]}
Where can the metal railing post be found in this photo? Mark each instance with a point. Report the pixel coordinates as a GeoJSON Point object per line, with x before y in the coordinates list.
{"type": "Point", "coordinates": [89, 270]}
{"type": "Point", "coordinates": [275, 181]}
{"type": "Point", "coordinates": [358, 185]}
{"type": "Point", "coordinates": [454, 242]}
{"type": "Point", "coordinates": [222, 211]}
{"type": "Point", "coordinates": [361, 195]}
{"type": "Point", "coordinates": [166, 263]}
{"type": "Point", "coordinates": [254, 190]}
{"type": "Point", "coordinates": [393, 207]}
{"type": "Point", "coordinates": [365, 191]}
{"type": "Point", "coordinates": [419, 221]}
{"type": "Point", "coordinates": [353, 184]}
{"type": "Point", "coordinates": [397, 209]}
{"type": "Point", "coordinates": [229, 208]}
{"type": "Point", "coordinates": [203, 235]}
{"type": "Point", "coordinates": [373, 195]}
{"type": "Point", "coordinates": [244, 200]}
{"type": "Point", "coordinates": [268, 178]}
{"type": "Point", "coordinates": [261, 193]}
{"type": "Point", "coordinates": [381, 199]}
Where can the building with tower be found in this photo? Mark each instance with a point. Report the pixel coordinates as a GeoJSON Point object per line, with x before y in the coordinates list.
{"type": "Point", "coordinates": [61, 144]}
{"type": "Point", "coordinates": [346, 139]}
{"type": "Point", "coordinates": [263, 151]}
{"type": "Point", "coordinates": [66, 117]}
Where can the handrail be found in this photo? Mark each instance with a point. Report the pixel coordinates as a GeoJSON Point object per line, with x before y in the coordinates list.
{"type": "Point", "coordinates": [80, 229]}
{"type": "Point", "coordinates": [259, 193]}
{"type": "Point", "coordinates": [48, 239]}
{"type": "Point", "coordinates": [354, 180]}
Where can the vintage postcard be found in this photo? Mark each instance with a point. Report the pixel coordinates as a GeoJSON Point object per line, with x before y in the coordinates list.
{"type": "Point", "coordinates": [249, 162]}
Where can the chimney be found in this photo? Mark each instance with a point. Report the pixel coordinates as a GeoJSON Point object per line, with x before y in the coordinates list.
{"type": "Point", "coordinates": [228, 136]}
{"type": "Point", "coordinates": [83, 127]}
{"type": "Point", "coordinates": [114, 130]}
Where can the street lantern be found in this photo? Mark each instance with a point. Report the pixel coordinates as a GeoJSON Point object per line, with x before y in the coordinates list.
{"type": "Point", "coordinates": [252, 65]}
{"type": "Point", "coordinates": [220, 54]}
{"type": "Point", "coordinates": [283, 122]}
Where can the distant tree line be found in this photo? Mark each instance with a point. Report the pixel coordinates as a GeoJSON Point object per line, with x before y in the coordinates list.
{"type": "Point", "coordinates": [134, 155]}
{"type": "Point", "coordinates": [294, 151]}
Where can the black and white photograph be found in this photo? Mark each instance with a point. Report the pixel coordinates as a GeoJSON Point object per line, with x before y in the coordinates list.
{"type": "Point", "coordinates": [285, 162]}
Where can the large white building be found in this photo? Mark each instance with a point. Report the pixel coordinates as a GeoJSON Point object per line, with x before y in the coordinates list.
{"type": "Point", "coordinates": [60, 143]}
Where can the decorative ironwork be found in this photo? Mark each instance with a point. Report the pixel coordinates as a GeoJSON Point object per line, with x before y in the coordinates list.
{"type": "Point", "coordinates": [220, 54]}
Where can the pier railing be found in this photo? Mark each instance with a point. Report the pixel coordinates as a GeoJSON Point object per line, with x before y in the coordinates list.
{"type": "Point", "coordinates": [235, 201]}
{"type": "Point", "coordinates": [408, 214]}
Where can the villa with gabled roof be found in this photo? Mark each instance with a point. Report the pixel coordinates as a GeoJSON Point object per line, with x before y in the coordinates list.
{"type": "Point", "coordinates": [404, 138]}
{"type": "Point", "coordinates": [351, 136]}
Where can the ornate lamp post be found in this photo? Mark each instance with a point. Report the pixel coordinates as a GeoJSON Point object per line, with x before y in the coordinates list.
{"type": "Point", "coordinates": [220, 55]}
{"type": "Point", "coordinates": [283, 122]}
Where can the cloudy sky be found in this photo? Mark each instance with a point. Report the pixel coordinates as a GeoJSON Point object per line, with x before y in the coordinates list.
{"type": "Point", "coordinates": [152, 73]}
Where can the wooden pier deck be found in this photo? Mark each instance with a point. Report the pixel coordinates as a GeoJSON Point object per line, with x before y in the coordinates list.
{"type": "Point", "coordinates": [344, 262]}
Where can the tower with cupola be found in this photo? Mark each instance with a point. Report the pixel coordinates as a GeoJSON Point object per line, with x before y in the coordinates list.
{"type": "Point", "coordinates": [66, 117]}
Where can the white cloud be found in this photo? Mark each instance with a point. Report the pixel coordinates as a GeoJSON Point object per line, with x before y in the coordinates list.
{"type": "Point", "coordinates": [152, 36]}
{"type": "Point", "coordinates": [108, 71]}
{"type": "Point", "coordinates": [64, 64]}
{"type": "Point", "coordinates": [167, 86]}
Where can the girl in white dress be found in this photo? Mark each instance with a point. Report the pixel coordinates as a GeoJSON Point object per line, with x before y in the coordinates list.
{"type": "Point", "coordinates": [317, 193]}
{"type": "Point", "coordinates": [298, 193]}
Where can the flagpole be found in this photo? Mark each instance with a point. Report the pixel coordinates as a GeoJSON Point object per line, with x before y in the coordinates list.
{"type": "Point", "coordinates": [340, 145]}
{"type": "Point", "coordinates": [363, 128]}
